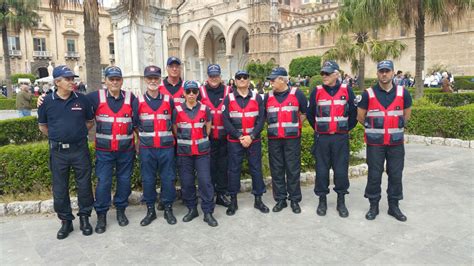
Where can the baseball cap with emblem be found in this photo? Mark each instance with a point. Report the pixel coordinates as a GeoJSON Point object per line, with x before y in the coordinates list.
{"type": "Point", "coordinates": [173, 60]}
{"type": "Point", "coordinates": [241, 73]}
{"type": "Point", "coordinates": [329, 66]}
{"type": "Point", "coordinates": [63, 71]}
{"type": "Point", "coordinates": [152, 71]}
{"type": "Point", "coordinates": [214, 70]}
{"type": "Point", "coordinates": [191, 84]}
{"type": "Point", "coordinates": [277, 72]}
{"type": "Point", "coordinates": [113, 71]}
{"type": "Point", "coordinates": [385, 64]}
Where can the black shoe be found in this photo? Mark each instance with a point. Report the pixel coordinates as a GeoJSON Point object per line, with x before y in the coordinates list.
{"type": "Point", "coordinates": [101, 223]}
{"type": "Point", "coordinates": [160, 206]}
{"type": "Point", "coordinates": [233, 207]}
{"type": "Point", "coordinates": [169, 217]}
{"type": "Point", "coordinates": [373, 211]}
{"type": "Point", "coordinates": [341, 206]}
{"type": "Point", "coordinates": [150, 216]}
{"type": "Point", "coordinates": [394, 210]}
{"type": "Point", "coordinates": [295, 207]}
{"type": "Point", "coordinates": [222, 200]}
{"type": "Point", "coordinates": [121, 218]}
{"type": "Point", "coordinates": [66, 228]}
{"type": "Point", "coordinates": [210, 220]}
{"type": "Point", "coordinates": [259, 205]}
{"type": "Point", "coordinates": [192, 213]}
{"type": "Point", "coordinates": [322, 206]}
{"type": "Point", "coordinates": [85, 227]}
{"type": "Point", "coordinates": [280, 205]}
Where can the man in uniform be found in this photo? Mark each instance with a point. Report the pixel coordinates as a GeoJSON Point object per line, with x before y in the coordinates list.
{"type": "Point", "coordinates": [285, 112]}
{"type": "Point", "coordinates": [332, 113]}
{"type": "Point", "coordinates": [244, 117]}
{"type": "Point", "coordinates": [152, 117]}
{"type": "Point", "coordinates": [66, 117]}
{"type": "Point", "coordinates": [115, 148]}
{"type": "Point", "coordinates": [192, 126]}
{"type": "Point", "coordinates": [384, 111]}
{"type": "Point", "coordinates": [212, 94]}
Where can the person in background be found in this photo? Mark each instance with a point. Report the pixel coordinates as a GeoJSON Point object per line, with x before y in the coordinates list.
{"type": "Point", "coordinates": [23, 101]}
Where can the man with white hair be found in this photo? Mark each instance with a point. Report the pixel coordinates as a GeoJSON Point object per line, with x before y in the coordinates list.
{"type": "Point", "coordinates": [23, 101]}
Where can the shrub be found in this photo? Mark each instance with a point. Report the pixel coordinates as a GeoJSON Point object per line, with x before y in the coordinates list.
{"type": "Point", "coordinates": [315, 81]}
{"type": "Point", "coordinates": [464, 82]}
{"type": "Point", "coordinates": [451, 99]}
{"type": "Point", "coordinates": [305, 66]}
{"type": "Point", "coordinates": [14, 78]}
{"type": "Point", "coordinates": [20, 130]}
{"type": "Point", "coordinates": [10, 104]}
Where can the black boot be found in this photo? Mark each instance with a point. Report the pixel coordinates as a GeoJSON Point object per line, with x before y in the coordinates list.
{"type": "Point", "coordinates": [210, 220]}
{"type": "Point", "coordinates": [233, 207]}
{"type": "Point", "coordinates": [222, 200]}
{"type": "Point", "coordinates": [121, 218]}
{"type": "Point", "coordinates": [295, 207]}
{"type": "Point", "coordinates": [192, 213]}
{"type": "Point", "coordinates": [341, 206]}
{"type": "Point", "coordinates": [373, 211]}
{"type": "Point", "coordinates": [259, 205]}
{"type": "Point", "coordinates": [101, 223]}
{"type": "Point", "coordinates": [169, 217]}
{"type": "Point", "coordinates": [66, 228]}
{"type": "Point", "coordinates": [322, 206]}
{"type": "Point", "coordinates": [150, 215]}
{"type": "Point", "coordinates": [280, 205]}
{"type": "Point", "coordinates": [395, 211]}
{"type": "Point", "coordinates": [85, 227]}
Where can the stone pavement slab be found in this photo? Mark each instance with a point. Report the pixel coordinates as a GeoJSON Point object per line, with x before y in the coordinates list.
{"type": "Point", "coordinates": [438, 190]}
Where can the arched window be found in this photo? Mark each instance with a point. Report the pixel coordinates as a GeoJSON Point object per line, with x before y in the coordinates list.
{"type": "Point", "coordinates": [298, 41]}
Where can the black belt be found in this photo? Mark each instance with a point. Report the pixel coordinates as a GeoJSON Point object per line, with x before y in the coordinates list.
{"type": "Point", "coordinates": [66, 146]}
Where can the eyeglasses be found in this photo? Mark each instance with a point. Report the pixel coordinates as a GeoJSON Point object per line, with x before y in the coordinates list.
{"type": "Point", "coordinates": [325, 74]}
{"type": "Point", "coordinates": [244, 77]}
{"type": "Point", "coordinates": [214, 76]}
{"type": "Point", "coordinates": [384, 70]}
{"type": "Point", "coordinates": [194, 91]}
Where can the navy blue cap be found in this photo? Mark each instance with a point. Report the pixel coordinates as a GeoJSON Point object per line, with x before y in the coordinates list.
{"type": "Point", "coordinates": [63, 71]}
{"type": "Point", "coordinates": [385, 64]}
{"type": "Point", "coordinates": [241, 73]}
{"type": "Point", "coordinates": [152, 71]}
{"type": "Point", "coordinates": [277, 72]}
{"type": "Point", "coordinates": [173, 60]}
{"type": "Point", "coordinates": [214, 70]}
{"type": "Point", "coordinates": [113, 71]}
{"type": "Point", "coordinates": [330, 66]}
{"type": "Point", "coordinates": [191, 84]}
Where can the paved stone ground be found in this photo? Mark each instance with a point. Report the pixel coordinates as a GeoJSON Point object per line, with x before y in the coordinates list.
{"type": "Point", "coordinates": [9, 114]}
{"type": "Point", "coordinates": [438, 202]}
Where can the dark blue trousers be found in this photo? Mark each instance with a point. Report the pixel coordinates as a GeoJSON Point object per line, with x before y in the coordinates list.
{"type": "Point", "coordinates": [105, 164]}
{"type": "Point", "coordinates": [187, 167]}
{"type": "Point", "coordinates": [331, 151]}
{"type": "Point", "coordinates": [219, 165]}
{"type": "Point", "coordinates": [155, 161]}
{"type": "Point", "coordinates": [254, 157]}
{"type": "Point", "coordinates": [376, 157]}
{"type": "Point", "coordinates": [61, 161]}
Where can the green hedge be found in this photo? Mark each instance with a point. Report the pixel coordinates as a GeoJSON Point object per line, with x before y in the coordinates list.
{"type": "Point", "coordinates": [15, 77]}
{"type": "Point", "coordinates": [451, 99]}
{"type": "Point", "coordinates": [10, 104]}
{"type": "Point", "coordinates": [439, 121]}
{"type": "Point", "coordinates": [464, 83]}
{"type": "Point", "coordinates": [24, 168]}
{"type": "Point", "coordinates": [305, 66]}
{"type": "Point", "coordinates": [20, 130]}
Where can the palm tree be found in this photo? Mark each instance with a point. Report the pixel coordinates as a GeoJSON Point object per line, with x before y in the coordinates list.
{"type": "Point", "coordinates": [414, 13]}
{"type": "Point", "coordinates": [15, 14]}
{"type": "Point", "coordinates": [355, 19]}
{"type": "Point", "coordinates": [91, 31]}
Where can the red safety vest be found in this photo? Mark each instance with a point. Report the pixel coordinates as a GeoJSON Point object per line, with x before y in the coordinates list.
{"type": "Point", "coordinates": [218, 131]}
{"type": "Point", "coordinates": [178, 97]}
{"type": "Point", "coordinates": [243, 119]}
{"type": "Point", "coordinates": [283, 118]}
{"type": "Point", "coordinates": [155, 126]}
{"type": "Point", "coordinates": [384, 126]}
{"type": "Point", "coordinates": [332, 112]}
{"type": "Point", "coordinates": [114, 131]}
{"type": "Point", "coordinates": [191, 134]}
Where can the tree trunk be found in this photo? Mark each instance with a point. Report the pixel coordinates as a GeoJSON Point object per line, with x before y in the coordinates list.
{"type": "Point", "coordinates": [420, 51]}
{"type": "Point", "coordinates": [92, 47]}
{"type": "Point", "coordinates": [361, 78]}
{"type": "Point", "coordinates": [6, 61]}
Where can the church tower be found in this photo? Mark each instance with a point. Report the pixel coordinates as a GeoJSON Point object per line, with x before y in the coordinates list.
{"type": "Point", "coordinates": [263, 25]}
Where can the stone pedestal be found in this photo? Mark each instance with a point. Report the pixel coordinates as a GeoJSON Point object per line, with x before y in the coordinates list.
{"type": "Point", "coordinates": [139, 44]}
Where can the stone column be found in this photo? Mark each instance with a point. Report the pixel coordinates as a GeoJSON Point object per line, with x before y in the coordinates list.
{"type": "Point", "coordinates": [201, 69]}
{"type": "Point", "coordinates": [229, 64]}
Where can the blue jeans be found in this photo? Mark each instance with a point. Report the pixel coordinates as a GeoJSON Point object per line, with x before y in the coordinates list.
{"type": "Point", "coordinates": [155, 161]}
{"type": "Point", "coordinates": [24, 112]}
{"type": "Point", "coordinates": [106, 162]}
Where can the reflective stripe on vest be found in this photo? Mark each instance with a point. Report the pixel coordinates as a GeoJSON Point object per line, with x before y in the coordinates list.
{"type": "Point", "coordinates": [155, 125]}
{"type": "Point", "coordinates": [243, 119]}
{"type": "Point", "coordinates": [332, 111]}
{"type": "Point", "coordinates": [192, 137]}
{"type": "Point", "coordinates": [283, 118]}
{"type": "Point", "coordinates": [217, 128]}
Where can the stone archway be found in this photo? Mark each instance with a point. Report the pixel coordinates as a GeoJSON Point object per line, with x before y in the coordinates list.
{"type": "Point", "coordinates": [190, 56]}
{"type": "Point", "coordinates": [239, 48]}
{"type": "Point", "coordinates": [213, 44]}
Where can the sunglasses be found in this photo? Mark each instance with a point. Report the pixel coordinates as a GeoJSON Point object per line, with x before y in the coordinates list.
{"type": "Point", "coordinates": [384, 70]}
{"type": "Point", "coordinates": [244, 77]}
{"type": "Point", "coordinates": [194, 91]}
{"type": "Point", "coordinates": [325, 74]}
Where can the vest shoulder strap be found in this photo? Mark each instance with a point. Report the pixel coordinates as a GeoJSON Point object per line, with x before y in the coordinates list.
{"type": "Point", "coordinates": [141, 98]}
{"type": "Point", "coordinates": [179, 108]}
{"type": "Point", "coordinates": [231, 97]}
{"type": "Point", "coordinates": [128, 96]}
{"type": "Point", "coordinates": [293, 90]}
{"type": "Point", "coordinates": [166, 98]}
{"type": "Point", "coordinates": [400, 90]}
{"type": "Point", "coordinates": [371, 93]}
{"type": "Point", "coordinates": [102, 97]}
